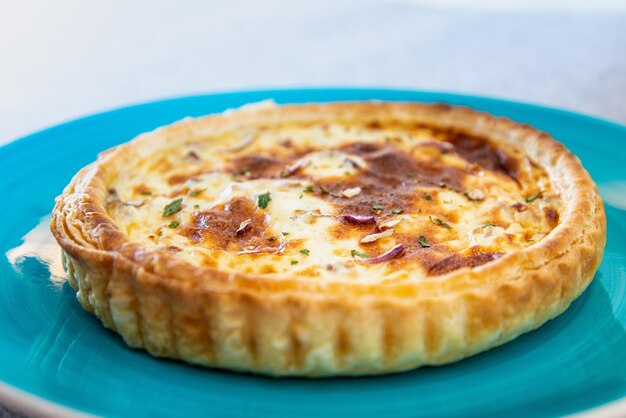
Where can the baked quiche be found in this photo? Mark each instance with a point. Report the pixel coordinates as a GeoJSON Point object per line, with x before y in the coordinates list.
{"type": "Point", "coordinates": [330, 239]}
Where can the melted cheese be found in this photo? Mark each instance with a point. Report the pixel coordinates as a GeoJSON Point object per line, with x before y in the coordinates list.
{"type": "Point", "coordinates": [450, 207]}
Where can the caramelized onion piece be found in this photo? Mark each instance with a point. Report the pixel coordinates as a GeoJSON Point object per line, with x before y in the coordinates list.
{"type": "Point", "coordinates": [262, 250]}
{"type": "Point", "coordinates": [354, 191]}
{"type": "Point", "coordinates": [294, 168]}
{"type": "Point", "coordinates": [248, 140]}
{"type": "Point", "coordinates": [389, 255]}
{"type": "Point", "coordinates": [389, 224]}
{"type": "Point", "coordinates": [358, 219]}
{"type": "Point", "coordinates": [443, 146]}
{"type": "Point", "coordinates": [243, 226]}
{"type": "Point", "coordinates": [376, 236]}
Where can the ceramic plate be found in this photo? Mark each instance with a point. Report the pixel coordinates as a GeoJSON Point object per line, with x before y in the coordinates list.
{"type": "Point", "coordinates": [55, 356]}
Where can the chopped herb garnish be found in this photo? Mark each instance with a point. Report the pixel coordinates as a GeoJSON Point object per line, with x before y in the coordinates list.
{"type": "Point", "coordinates": [146, 193]}
{"type": "Point", "coordinates": [377, 207]}
{"type": "Point", "coordinates": [285, 233]}
{"type": "Point", "coordinates": [428, 197]}
{"type": "Point", "coordinates": [356, 253]}
{"type": "Point", "coordinates": [284, 174]}
{"type": "Point", "coordinates": [263, 200]}
{"type": "Point", "coordinates": [440, 222]}
{"type": "Point", "coordinates": [305, 252]}
{"type": "Point", "coordinates": [244, 171]}
{"type": "Point", "coordinates": [294, 262]}
{"type": "Point", "coordinates": [346, 173]}
{"type": "Point", "coordinates": [172, 207]}
{"type": "Point", "coordinates": [300, 197]}
{"type": "Point", "coordinates": [486, 225]}
{"type": "Point", "coordinates": [196, 206]}
{"type": "Point", "coordinates": [534, 197]}
{"type": "Point", "coordinates": [174, 224]}
{"type": "Point", "coordinates": [160, 232]}
{"type": "Point", "coordinates": [423, 242]}
{"type": "Point", "coordinates": [308, 189]}
{"type": "Point", "coordinates": [195, 193]}
{"type": "Point", "coordinates": [397, 211]}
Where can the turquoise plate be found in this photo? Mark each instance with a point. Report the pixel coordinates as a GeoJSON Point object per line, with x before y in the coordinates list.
{"type": "Point", "coordinates": [56, 359]}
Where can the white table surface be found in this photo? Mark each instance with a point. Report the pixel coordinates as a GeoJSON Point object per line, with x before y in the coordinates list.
{"type": "Point", "coordinates": [64, 59]}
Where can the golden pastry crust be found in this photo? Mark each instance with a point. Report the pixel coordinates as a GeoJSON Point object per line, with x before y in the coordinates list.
{"type": "Point", "coordinates": [282, 324]}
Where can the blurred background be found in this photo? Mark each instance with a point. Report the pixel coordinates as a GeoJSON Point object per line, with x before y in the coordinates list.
{"type": "Point", "coordinates": [64, 59]}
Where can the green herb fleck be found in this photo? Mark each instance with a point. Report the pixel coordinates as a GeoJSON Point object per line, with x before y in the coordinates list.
{"type": "Point", "coordinates": [486, 225]}
{"type": "Point", "coordinates": [440, 222]}
{"type": "Point", "coordinates": [174, 224]}
{"type": "Point", "coordinates": [423, 242]}
{"type": "Point", "coordinates": [397, 211]}
{"type": "Point", "coordinates": [244, 171]}
{"type": "Point", "coordinates": [356, 253]}
{"type": "Point", "coordinates": [534, 197]}
{"type": "Point", "coordinates": [284, 174]}
{"type": "Point", "coordinates": [263, 200]}
{"type": "Point", "coordinates": [160, 232]}
{"type": "Point", "coordinates": [294, 262]}
{"type": "Point", "coordinates": [146, 193]}
{"type": "Point", "coordinates": [196, 206]}
{"type": "Point", "coordinates": [377, 207]}
{"type": "Point", "coordinates": [308, 189]}
{"type": "Point", "coordinates": [428, 197]}
{"type": "Point", "coordinates": [195, 193]}
{"type": "Point", "coordinates": [172, 207]}
{"type": "Point", "coordinates": [285, 233]}
{"type": "Point", "coordinates": [305, 251]}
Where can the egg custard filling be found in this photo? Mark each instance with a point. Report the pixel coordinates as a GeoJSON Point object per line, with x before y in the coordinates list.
{"type": "Point", "coordinates": [368, 202]}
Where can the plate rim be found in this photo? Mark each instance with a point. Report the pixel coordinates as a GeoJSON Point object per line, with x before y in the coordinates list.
{"type": "Point", "coordinates": [25, 402]}
{"type": "Point", "coordinates": [435, 96]}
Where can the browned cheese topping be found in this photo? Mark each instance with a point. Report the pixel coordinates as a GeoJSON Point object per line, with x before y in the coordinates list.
{"type": "Point", "coordinates": [371, 202]}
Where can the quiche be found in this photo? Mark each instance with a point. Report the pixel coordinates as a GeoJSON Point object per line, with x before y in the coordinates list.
{"type": "Point", "coordinates": [316, 240]}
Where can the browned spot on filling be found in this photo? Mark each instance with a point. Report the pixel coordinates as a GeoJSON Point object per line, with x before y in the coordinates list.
{"type": "Point", "coordinates": [481, 152]}
{"type": "Point", "coordinates": [552, 216]}
{"type": "Point", "coordinates": [173, 249]}
{"type": "Point", "coordinates": [142, 189]}
{"type": "Point", "coordinates": [457, 261]}
{"type": "Point", "coordinates": [182, 177]}
{"type": "Point", "coordinates": [390, 181]}
{"type": "Point", "coordinates": [192, 155]}
{"type": "Point", "coordinates": [258, 166]}
{"type": "Point", "coordinates": [236, 225]}
{"type": "Point", "coordinates": [387, 163]}
{"type": "Point", "coordinates": [520, 207]}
